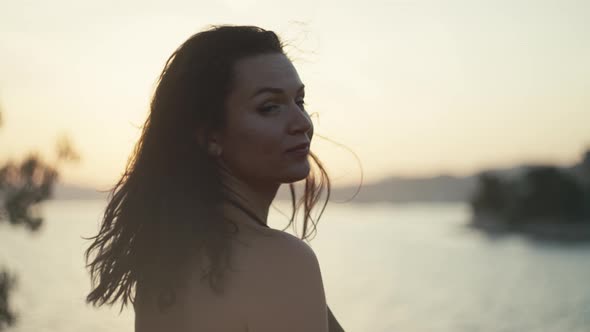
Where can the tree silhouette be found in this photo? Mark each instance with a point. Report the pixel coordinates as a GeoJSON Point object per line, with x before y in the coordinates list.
{"type": "Point", "coordinates": [23, 185]}
{"type": "Point", "coordinates": [490, 196]}
{"type": "Point", "coordinates": [540, 194]}
{"type": "Point", "coordinates": [553, 194]}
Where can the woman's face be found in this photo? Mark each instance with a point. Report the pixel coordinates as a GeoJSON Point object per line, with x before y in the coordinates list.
{"type": "Point", "coordinates": [265, 117]}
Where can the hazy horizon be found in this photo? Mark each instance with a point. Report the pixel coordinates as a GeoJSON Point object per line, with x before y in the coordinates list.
{"type": "Point", "coordinates": [414, 88]}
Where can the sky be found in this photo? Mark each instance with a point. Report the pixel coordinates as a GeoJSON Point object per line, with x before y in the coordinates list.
{"type": "Point", "coordinates": [410, 88]}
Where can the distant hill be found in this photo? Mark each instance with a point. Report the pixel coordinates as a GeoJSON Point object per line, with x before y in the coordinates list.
{"type": "Point", "coordinates": [395, 189]}
{"type": "Point", "coordinates": [441, 188]}
{"type": "Point", "coordinates": [63, 191]}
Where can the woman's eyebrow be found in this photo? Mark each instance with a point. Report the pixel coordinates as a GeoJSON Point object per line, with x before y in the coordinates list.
{"type": "Point", "coordinates": [273, 90]}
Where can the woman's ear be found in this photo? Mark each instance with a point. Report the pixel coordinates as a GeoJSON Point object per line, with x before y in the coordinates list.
{"type": "Point", "coordinates": [208, 140]}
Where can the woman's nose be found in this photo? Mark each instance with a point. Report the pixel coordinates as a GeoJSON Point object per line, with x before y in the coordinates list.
{"type": "Point", "coordinates": [301, 122]}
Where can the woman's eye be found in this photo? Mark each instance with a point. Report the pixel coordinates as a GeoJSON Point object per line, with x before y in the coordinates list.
{"type": "Point", "coordinates": [268, 108]}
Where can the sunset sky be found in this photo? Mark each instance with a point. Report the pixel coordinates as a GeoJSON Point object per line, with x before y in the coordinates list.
{"type": "Point", "coordinates": [414, 88]}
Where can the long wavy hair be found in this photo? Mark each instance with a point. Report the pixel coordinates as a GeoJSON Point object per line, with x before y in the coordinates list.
{"type": "Point", "coordinates": [165, 207]}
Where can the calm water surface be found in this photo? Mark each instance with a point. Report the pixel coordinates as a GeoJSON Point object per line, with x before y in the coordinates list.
{"type": "Point", "coordinates": [410, 268]}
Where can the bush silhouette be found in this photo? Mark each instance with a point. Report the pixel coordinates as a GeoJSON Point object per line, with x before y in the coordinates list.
{"type": "Point", "coordinates": [22, 185]}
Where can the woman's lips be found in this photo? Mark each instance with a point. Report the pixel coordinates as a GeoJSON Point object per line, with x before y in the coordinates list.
{"type": "Point", "coordinates": [299, 152]}
{"type": "Point", "coordinates": [301, 146]}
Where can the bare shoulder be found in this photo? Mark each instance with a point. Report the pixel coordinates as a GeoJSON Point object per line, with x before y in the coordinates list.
{"type": "Point", "coordinates": [287, 244]}
{"type": "Point", "coordinates": [269, 241]}
{"type": "Point", "coordinates": [278, 252]}
{"type": "Point", "coordinates": [283, 288]}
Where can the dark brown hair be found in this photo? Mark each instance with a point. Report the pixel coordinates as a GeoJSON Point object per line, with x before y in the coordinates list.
{"type": "Point", "coordinates": [164, 208]}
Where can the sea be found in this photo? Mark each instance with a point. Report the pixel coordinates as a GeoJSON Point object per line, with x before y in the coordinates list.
{"type": "Point", "coordinates": [411, 267]}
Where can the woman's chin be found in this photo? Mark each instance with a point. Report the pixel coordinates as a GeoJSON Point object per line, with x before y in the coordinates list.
{"type": "Point", "coordinates": [296, 174]}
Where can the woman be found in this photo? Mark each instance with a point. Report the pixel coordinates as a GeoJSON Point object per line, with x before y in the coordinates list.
{"type": "Point", "coordinates": [184, 235]}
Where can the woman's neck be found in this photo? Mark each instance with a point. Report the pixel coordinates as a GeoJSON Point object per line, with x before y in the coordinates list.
{"type": "Point", "coordinates": [255, 197]}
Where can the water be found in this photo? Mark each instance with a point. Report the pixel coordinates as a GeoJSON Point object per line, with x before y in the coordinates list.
{"type": "Point", "coordinates": [385, 268]}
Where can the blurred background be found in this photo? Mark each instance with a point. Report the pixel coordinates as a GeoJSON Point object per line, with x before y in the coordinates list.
{"type": "Point", "coordinates": [458, 142]}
